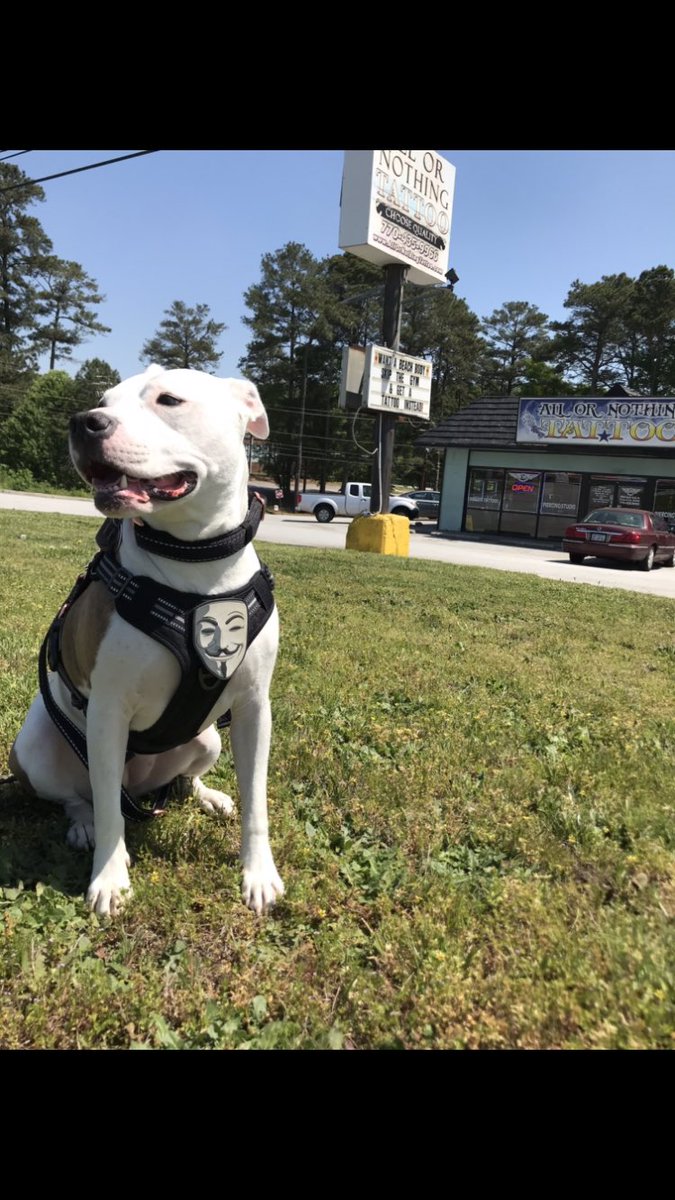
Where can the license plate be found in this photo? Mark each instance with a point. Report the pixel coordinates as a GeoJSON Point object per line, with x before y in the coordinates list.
{"type": "Point", "coordinates": [599, 537]}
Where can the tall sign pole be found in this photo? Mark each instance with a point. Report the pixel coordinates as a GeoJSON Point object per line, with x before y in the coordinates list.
{"type": "Point", "coordinates": [385, 424]}
{"type": "Point", "coordinates": [396, 210]}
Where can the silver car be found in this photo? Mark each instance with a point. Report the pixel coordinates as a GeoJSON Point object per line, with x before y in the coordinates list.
{"type": "Point", "coordinates": [428, 502]}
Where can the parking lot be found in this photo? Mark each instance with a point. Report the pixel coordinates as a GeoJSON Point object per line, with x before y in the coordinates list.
{"type": "Point", "coordinates": [425, 542]}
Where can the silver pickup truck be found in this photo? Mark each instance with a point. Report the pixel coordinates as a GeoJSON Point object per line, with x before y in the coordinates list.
{"type": "Point", "coordinates": [351, 503]}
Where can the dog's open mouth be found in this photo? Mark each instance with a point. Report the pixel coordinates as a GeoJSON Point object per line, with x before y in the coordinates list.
{"type": "Point", "coordinates": [113, 486]}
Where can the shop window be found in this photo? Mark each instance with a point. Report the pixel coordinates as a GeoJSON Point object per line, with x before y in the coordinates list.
{"type": "Point", "coordinates": [485, 488]}
{"type": "Point", "coordinates": [559, 502]}
{"type": "Point", "coordinates": [601, 495]}
{"type": "Point", "coordinates": [560, 495]}
{"type": "Point", "coordinates": [519, 522]}
{"type": "Point", "coordinates": [553, 527]}
{"type": "Point", "coordinates": [664, 496]}
{"type": "Point", "coordinates": [630, 495]}
{"type": "Point", "coordinates": [611, 492]}
{"type": "Point", "coordinates": [521, 491]}
{"type": "Point", "coordinates": [482, 520]}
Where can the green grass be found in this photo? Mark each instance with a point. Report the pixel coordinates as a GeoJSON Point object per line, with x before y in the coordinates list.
{"type": "Point", "coordinates": [471, 801]}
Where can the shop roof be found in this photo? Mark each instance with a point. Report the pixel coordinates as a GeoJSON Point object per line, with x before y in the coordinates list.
{"type": "Point", "coordinates": [490, 421]}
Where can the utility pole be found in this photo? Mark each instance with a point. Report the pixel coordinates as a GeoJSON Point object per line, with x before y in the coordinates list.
{"type": "Point", "coordinates": [385, 423]}
{"type": "Point", "coordinates": [298, 469]}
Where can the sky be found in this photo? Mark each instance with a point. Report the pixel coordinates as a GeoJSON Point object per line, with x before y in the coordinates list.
{"type": "Point", "coordinates": [192, 225]}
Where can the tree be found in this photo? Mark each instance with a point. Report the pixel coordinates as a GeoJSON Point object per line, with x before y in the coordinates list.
{"type": "Point", "coordinates": [16, 378]}
{"type": "Point", "coordinates": [284, 316]}
{"type": "Point", "coordinates": [35, 436]}
{"type": "Point", "coordinates": [350, 297]}
{"type": "Point", "coordinates": [355, 291]}
{"type": "Point", "coordinates": [186, 337]}
{"type": "Point", "coordinates": [650, 326]}
{"type": "Point", "coordinates": [23, 247]}
{"type": "Point", "coordinates": [541, 379]}
{"type": "Point", "coordinates": [64, 297]}
{"type": "Point", "coordinates": [303, 312]}
{"type": "Point", "coordinates": [440, 326]}
{"type": "Point", "coordinates": [590, 344]}
{"type": "Point", "coordinates": [94, 378]}
{"type": "Point", "coordinates": [515, 333]}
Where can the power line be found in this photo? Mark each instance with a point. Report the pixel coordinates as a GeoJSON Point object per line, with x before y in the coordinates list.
{"type": "Point", "coordinates": [76, 170]}
{"type": "Point", "coordinates": [17, 154]}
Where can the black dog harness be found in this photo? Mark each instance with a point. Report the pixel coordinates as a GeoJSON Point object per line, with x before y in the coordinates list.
{"type": "Point", "coordinates": [171, 618]}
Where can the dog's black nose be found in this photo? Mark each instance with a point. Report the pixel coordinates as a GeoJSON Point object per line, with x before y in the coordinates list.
{"type": "Point", "coordinates": [95, 423]}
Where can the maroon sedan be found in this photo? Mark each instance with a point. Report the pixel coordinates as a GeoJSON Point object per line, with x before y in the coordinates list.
{"type": "Point", "coordinates": [626, 534]}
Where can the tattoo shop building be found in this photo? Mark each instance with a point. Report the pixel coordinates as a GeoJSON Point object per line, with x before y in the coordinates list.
{"type": "Point", "coordinates": [530, 467]}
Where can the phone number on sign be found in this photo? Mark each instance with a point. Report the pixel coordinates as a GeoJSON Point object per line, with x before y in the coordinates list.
{"type": "Point", "coordinates": [400, 239]}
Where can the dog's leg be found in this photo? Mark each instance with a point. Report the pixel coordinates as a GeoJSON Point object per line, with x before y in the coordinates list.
{"type": "Point", "coordinates": [107, 733]}
{"type": "Point", "coordinates": [208, 750]}
{"type": "Point", "coordinates": [251, 735]}
{"type": "Point", "coordinates": [147, 772]}
{"type": "Point", "coordinates": [47, 766]}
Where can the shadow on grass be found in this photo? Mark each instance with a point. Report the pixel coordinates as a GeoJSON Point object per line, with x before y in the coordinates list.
{"type": "Point", "coordinates": [33, 847]}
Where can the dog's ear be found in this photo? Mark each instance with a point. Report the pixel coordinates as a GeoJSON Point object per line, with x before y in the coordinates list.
{"type": "Point", "coordinates": [153, 370]}
{"type": "Point", "coordinates": [249, 397]}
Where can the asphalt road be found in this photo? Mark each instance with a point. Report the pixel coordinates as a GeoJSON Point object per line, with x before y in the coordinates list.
{"type": "Point", "coordinates": [301, 530]}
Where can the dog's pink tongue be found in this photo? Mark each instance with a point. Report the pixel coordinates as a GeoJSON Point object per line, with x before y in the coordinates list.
{"type": "Point", "coordinates": [135, 489]}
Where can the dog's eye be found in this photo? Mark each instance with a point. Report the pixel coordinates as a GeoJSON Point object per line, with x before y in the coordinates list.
{"type": "Point", "coordinates": [170, 401]}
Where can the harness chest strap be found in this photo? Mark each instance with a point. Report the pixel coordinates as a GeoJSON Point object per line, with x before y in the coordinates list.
{"type": "Point", "coordinates": [169, 617]}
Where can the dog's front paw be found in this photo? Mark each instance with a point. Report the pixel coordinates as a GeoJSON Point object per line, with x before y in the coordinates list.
{"type": "Point", "coordinates": [109, 890]}
{"type": "Point", "coordinates": [211, 800]}
{"type": "Point", "coordinates": [261, 884]}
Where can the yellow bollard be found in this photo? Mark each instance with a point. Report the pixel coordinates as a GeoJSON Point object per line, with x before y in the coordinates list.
{"type": "Point", "coordinates": [381, 534]}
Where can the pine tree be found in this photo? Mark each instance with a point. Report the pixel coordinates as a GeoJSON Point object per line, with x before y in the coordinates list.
{"type": "Point", "coordinates": [23, 248]}
{"type": "Point", "coordinates": [515, 333]}
{"type": "Point", "coordinates": [591, 343]}
{"type": "Point", "coordinates": [284, 315]}
{"type": "Point", "coordinates": [94, 378]}
{"type": "Point", "coordinates": [64, 297]}
{"type": "Point", "coordinates": [186, 338]}
{"type": "Point", "coordinates": [650, 324]}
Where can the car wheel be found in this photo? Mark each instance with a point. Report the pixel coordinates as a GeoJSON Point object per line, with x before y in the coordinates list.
{"type": "Point", "coordinates": [670, 562]}
{"type": "Point", "coordinates": [324, 513]}
{"type": "Point", "coordinates": [577, 558]}
{"type": "Point", "coordinates": [402, 512]}
{"type": "Point", "coordinates": [648, 562]}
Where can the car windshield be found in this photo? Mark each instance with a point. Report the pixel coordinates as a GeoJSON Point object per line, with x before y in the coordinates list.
{"type": "Point", "coordinates": [609, 516]}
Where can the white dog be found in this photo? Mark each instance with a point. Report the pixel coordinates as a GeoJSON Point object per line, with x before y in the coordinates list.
{"type": "Point", "coordinates": [151, 647]}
